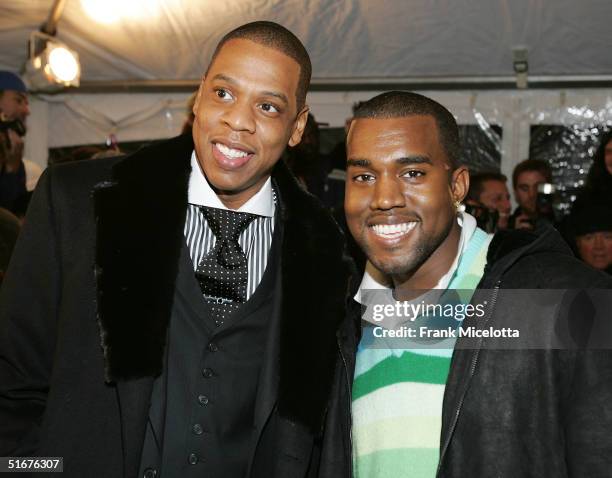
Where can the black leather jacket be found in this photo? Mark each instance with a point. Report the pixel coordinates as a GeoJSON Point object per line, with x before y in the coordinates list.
{"type": "Point", "coordinates": [528, 413]}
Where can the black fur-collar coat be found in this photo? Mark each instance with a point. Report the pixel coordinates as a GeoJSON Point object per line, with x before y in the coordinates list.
{"type": "Point", "coordinates": [86, 304]}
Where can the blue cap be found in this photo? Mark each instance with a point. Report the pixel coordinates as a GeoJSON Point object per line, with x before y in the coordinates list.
{"type": "Point", "coordinates": [10, 81]}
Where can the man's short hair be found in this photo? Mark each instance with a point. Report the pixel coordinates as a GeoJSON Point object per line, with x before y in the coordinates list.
{"type": "Point", "coordinates": [400, 104]}
{"type": "Point", "coordinates": [477, 183]}
{"type": "Point", "coordinates": [277, 37]}
{"type": "Point", "coordinates": [538, 165]}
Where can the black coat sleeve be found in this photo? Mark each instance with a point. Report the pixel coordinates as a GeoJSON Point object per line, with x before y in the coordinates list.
{"type": "Point", "coordinates": [29, 302]}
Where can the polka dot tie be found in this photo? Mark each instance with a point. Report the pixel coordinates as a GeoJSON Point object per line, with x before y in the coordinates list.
{"type": "Point", "coordinates": [223, 273]}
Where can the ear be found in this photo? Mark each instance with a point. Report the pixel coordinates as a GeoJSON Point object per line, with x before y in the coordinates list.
{"type": "Point", "coordinates": [196, 103]}
{"type": "Point", "coordinates": [298, 126]}
{"type": "Point", "coordinates": [460, 183]}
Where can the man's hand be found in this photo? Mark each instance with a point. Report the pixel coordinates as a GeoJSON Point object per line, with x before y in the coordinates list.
{"type": "Point", "coordinates": [523, 221]}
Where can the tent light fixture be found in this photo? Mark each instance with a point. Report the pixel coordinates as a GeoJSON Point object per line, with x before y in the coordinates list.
{"type": "Point", "coordinates": [52, 65]}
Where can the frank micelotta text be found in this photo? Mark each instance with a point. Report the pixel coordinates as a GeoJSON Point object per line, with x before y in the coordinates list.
{"type": "Point", "coordinates": [445, 333]}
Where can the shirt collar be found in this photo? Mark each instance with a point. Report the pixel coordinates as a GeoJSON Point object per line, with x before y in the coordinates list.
{"type": "Point", "coordinates": [373, 279]}
{"type": "Point", "coordinates": [201, 194]}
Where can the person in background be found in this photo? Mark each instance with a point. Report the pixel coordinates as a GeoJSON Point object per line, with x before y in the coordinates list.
{"type": "Point", "coordinates": [18, 176]}
{"type": "Point", "coordinates": [591, 225]}
{"type": "Point", "coordinates": [595, 247]}
{"type": "Point", "coordinates": [593, 204]}
{"type": "Point", "coordinates": [337, 156]}
{"type": "Point", "coordinates": [599, 178]}
{"type": "Point", "coordinates": [188, 123]}
{"type": "Point", "coordinates": [526, 178]}
{"type": "Point", "coordinates": [489, 191]}
{"type": "Point", "coordinates": [312, 169]}
{"type": "Point", "coordinates": [305, 162]}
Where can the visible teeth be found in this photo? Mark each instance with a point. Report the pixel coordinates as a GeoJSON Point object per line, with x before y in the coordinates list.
{"type": "Point", "coordinates": [230, 152]}
{"type": "Point", "coordinates": [393, 230]}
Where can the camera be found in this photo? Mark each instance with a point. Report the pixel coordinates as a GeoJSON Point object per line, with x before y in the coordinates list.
{"type": "Point", "coordinates": [545, 200]}
{"type": "Point", "coordinates": [486, 219]}
{"type": "Point", "coordinates": [16, 125]}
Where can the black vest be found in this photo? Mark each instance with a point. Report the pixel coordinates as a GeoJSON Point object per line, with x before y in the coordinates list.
{"type": "Point", "coordinates": [202, 406]}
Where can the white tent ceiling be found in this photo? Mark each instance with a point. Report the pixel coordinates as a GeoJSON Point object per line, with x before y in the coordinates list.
{"type": "Point", "coordinates": [347, 39]}
{"type": "Point", "coordinates": [365, 45]}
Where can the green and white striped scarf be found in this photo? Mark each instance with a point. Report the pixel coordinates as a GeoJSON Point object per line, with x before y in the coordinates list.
{"type": "Point", "coordinates": [398, 391]}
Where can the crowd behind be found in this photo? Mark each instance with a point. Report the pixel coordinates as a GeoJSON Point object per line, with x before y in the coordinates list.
{"type": "Point", "coordinates": [587, 228]}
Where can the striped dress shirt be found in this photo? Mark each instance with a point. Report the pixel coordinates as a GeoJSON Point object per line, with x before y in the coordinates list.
{"type": "Point", "coordinates": [255, 240]}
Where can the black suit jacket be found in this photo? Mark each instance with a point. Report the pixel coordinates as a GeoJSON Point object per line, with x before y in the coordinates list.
{"type": "Point", "coordinates": [86, 304]}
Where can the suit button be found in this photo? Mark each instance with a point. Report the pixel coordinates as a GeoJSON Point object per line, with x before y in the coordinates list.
{"type": "Point", "coordinates": [192, 459]}
{"type": "Point", "coordinates": [207, 372]}
{"type": "Point", "coordinates": [149, 473]}
{"type": "Point", "coordinates": [212, 347]}
{"type": "Point", "coordinates": [197, 429]}
{"type": "Point", "coordinates": [203, 400]}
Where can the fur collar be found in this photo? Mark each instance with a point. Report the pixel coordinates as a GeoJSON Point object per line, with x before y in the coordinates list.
{"type": "Point", "coordinates": [139, 234]}
{"type": "Point", "coordinates": [315, 271]}
{"type": "Point", "coordinates": [140, 217]}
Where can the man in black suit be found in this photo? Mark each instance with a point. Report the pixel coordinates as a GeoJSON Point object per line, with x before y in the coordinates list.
{"type": "Point", "coordinates": [180, 312]}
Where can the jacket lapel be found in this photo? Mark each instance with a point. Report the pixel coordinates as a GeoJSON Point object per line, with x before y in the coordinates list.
{"type": "Point", "coordinates": [267, 389]}
{"type": "Point", "coordinates": [302, 349]}
{"type": "Point", "coordinates": [315, 272]}
{"type": "Point", "coordinates": [140, 217]}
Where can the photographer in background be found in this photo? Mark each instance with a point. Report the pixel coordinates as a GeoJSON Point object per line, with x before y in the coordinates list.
{"type": "Point", "coordinates": [599, 180]}
{"type": "Point", "coordinates": [527, 176]}
{"type": "Point", "coordinates": [488, 201]}
{"type": "Point", "coordinates": [590, 231]}
{"type": "Point", "coordinates": [18, 176]}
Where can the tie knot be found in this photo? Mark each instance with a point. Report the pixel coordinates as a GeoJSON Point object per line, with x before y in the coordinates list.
{"type": "Point", "coordinates": [227, 225]}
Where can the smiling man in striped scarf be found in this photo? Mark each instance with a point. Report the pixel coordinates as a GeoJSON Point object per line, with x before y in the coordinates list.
{"type": "Point", "coordinates": [461, 407]}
